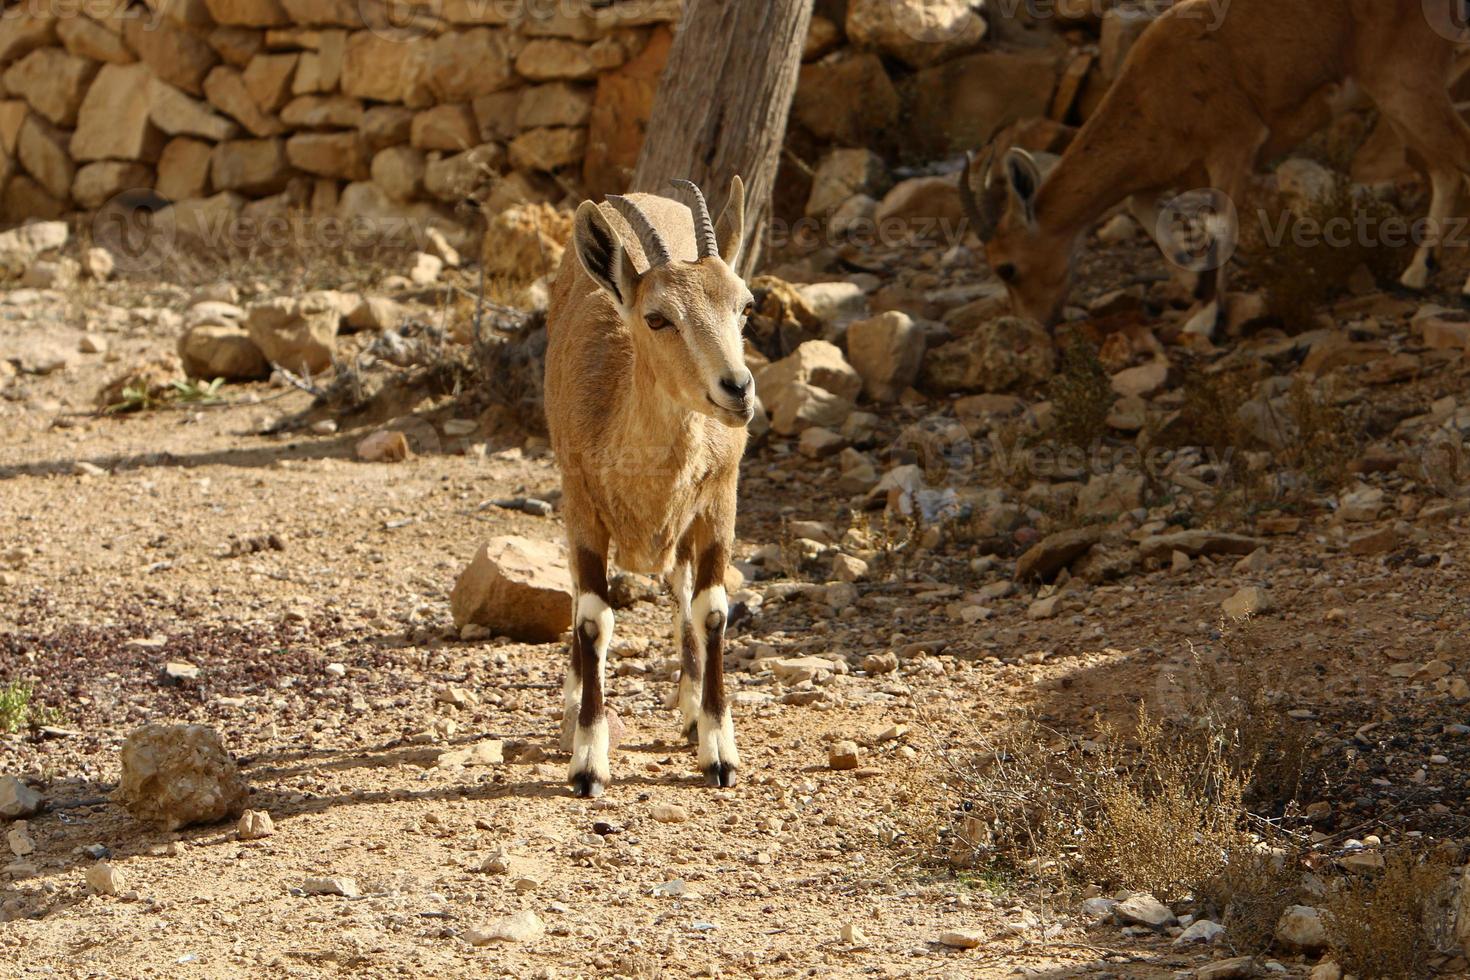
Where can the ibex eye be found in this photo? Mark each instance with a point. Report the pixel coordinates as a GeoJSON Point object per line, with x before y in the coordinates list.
{"type": "Point", "coordinates": [749, 309]}
{"type": "Point", "coordinates": [1006, 271]}
{"type": "Point", "coordinates": [656, 321]}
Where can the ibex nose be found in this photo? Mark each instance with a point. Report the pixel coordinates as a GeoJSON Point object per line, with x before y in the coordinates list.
{"type": "Point", "coordinates": [737, 387]}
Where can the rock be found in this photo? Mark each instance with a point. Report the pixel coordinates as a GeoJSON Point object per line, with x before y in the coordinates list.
{"type": "Point", "coordinates": [1109, 494]}
{"type": "Point", "coordinates": [525, 242]}
{"type": "Point", "coordinates": [177, 775]}
{"type": "Point", "coordinates": [844, 755]}
{"type": "Point", "coordinates": [177, 671]}
{"type": "Point", "coordinates": [962, 938]}
{"type": "Point", "coordinates": [1000, 355]}
{"type": "Point", "coordinates": [19, 247]}
{"type": "Point", "coordinates": [1304, 183]}
{"type": "Point", "coordinates": [669, 813]}
{"type": "Point", "coordinates": [847, 100]}
{"type": "Point", "coordinates": [846, 568]}
{"type": "Point", "coordinates": [1142, 909]}
{"type": "Point", "coordinates": [916, 32]}
{"type": "Point", "coordinates": [176, 114]}
{"type": "Point", "coordinates": [60, 273]}
{"type": "Point", "coordinates": [104, 879]}
{"type": "Point", "coordinates": [879, 663]}
{"type": "Point", "coordinates": [114, 120]}
{"type": "Point", "coordinates": [797, 406]}
{"type": "Point", "coordinates": [1376, 542]}
{"type": "Point", "coordinates": [98, 264]}
{"type": "Point", "coordinates": [211, 351]}
{"type": "Point", "coordinates": [1055, 552]}
{"type": "Point", "coordinates": [887, 352]}
{"type": "Point", "coordinates": [852, 934]}
{"type": "Point", "coordinates": [1198, 542]}
{"type": "Point", "coordinates": [549, 59]}
{"type": "Point", "coordinates": [42, 150]}
{"type": "Point", "coordinates": [1040, 609]}
{"type": "Point", "coordinates": [548, 148]}
{"type": "Point", "coordinates": [1361, 504]}
{"type": "Point", "coordinates": [154, 377]}
{"type": "Point", "coordinates": [1232, 969]}
{"type": "Point", "coordinates": [830, 302]}
{"type": "Point", "coordinates": [345, 887]}
{"type": "Point", "coordinates": [1326, 970]}
{"type": "Point", "coordinates": [1142, 381]}
{"type": "Point", "coordinates": [1249, 601]}
{"type": "Point", "coordinates": [843, 173]}
{"type": "Point", "coordinates": [298, 334]}
{"type": "Point", "coordinates": [425, 268]}
{"type": "Point", "coordinates": [964, 102]}
{"type": "Point", "coordinates": [518, 587]}
{"type": "Point", "coordinates": [1362, 862]}
{"type": "Point", "coordinates": [921, 207]}
{"type": "Point", "coordinates": [819, 443]}
{"type": "Point", "coordinates": [815, 362]}
{"type": "Point", "coordinates": [341, 156]}
{"type": "Point", "coordinates": [384, 446]}
{"type": "Point", "coordinates": [1200, 931]}
{"type": "Point", "coordinates": [796, 670]}
{"type": "Point", "coordinates": [1302, 928]}
{"type": "Point", "coordinates": [523, 927]}
{"type": "Point", "coordinates": [376, 313]}
{"type": "Point", "coordinates": [254, 825]}
{"type": "Point", "coordinates": [19, 839]}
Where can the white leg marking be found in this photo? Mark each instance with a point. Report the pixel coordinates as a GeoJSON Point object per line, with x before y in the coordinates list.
{"type": "Point", "coordinates": [716, 733]}
{"type": "Point", "coordinates": [687, 696]}
{"type": "Point", "coordinates": [571, 699]}
{"type": "Point", "coordinates": [1442, 189]}
{"type": "Point", "coordinates": [1204, 321]}
{"type": "Point", "coordinates": [590, 742]}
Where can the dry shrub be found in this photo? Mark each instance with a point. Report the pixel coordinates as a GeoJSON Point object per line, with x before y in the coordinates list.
{"type": "Point", "coordinates": [1082, 396]}
{"type": "Point", "coordinates": [1166, 825]}
{"type": "Point", "coordinates": [1157, 815]}
{"type": "Point", "coordinates": [1307, 267]}
{"type": "Point", "coordinates": [1256, 883]}
{"type": "Point", "coordinates": [1327, 438]}
{"type": "Point", "coordinates": [1388, 925]}
{"type": "Point", "coordinates": [1209, 416]}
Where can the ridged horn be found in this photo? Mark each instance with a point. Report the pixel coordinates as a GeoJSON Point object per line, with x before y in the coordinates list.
{"type": "Point", "coordinates": [655, 249]}
{"type": "Point", "coordinates": [704, 228]}
{"type": "Point", "coordinates": [982, 211]}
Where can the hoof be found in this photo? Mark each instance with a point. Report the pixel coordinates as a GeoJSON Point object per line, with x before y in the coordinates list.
{"type": "Point", "coordinates": [587, 785]}
{"type": "Point", "coordinates": [720, 774]}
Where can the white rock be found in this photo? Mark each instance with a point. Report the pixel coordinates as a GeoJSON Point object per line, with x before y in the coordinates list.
{"type": "Point", "coordinates": [104, 879]}
{"type": "Point", "coordinates": [1301, 927]}
{"type": "Point", "coordinates": [254, 825]}
{"type": "Point", "coordinates": [346, 887]}
{"type": "Point", "coordinates": [1203, 931]}
{"type": "Point", "coordinates": [1142, 909]}
{"type": "Point", "coordinates": [669, 813]}
{"type": "Point", "coordinates": [17, 799]}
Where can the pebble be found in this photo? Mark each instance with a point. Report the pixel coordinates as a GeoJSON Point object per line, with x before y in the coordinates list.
{"type": "Point", "coordinates": [1301, 927]}
{"type": "Point", "coordinates": [669, 813]}
{"type": "Point", "coordinates": [879, 663]}
{"type": "Point", "coordinates": [104, 879]}
{"type": "Point", "coordinates": [853, 935]}
{"type": "Point", "coordinates": [1142, 909]}
{"type": "Point", "coordinates": [522, 927]}
{"type": "Point", "coordinates": [346, 887]}
{"type": "Point", "coordinates": [19, 839]}
{"type": "Point", "coordinates": [844, 755]}
{"type": "Point", "coordinates": [254, 825]}
{"type": "Point", "coordinates": [1203, 931]}
{"type": "Point", "coordinates": [962, 938]}
{"type": "Point", "coordinates": [17, 799]}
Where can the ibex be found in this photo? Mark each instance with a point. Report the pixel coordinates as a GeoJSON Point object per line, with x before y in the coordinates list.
{"type": "Point", "coordinates": [647, 400]}
{"type": "Point", "coordinates": [1196, 93]}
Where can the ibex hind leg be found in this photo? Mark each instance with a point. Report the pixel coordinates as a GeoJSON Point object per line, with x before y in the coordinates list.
{"type": "Point", "coordinates": [686, 638]}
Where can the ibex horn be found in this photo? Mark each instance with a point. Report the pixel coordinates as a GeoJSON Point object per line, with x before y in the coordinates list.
{"type": "Point", "coordinates": [982, 210]}
{"type": "Point", "coordinates": [704, 228]}
{"type": "Point", "coordinates": [655, 249]}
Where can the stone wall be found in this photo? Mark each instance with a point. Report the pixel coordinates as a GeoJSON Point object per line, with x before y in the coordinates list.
{"type": "Point", "coordinates": [343, 107]}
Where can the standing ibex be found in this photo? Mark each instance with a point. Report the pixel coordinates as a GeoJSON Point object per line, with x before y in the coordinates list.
{"type": "Point", "coordinates": [1223, 95]}
{"type": "Point", "coordinates": [647, 399]}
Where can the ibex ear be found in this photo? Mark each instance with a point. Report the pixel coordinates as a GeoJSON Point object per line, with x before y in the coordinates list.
{"type": "Point", "coordinates": [1024, 178]}
{"type": "Point", "coordinates": [602, 254]}
{"type": "Point", "coordinates": [730, 228]}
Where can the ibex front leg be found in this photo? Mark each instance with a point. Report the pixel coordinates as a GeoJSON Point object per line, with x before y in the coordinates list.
{"type": "Point", "coordinates": [592, 629]}
{"type": "Point", "coordinates": [686, 638]}
{"type": "Point", "coordinates": [718, 759]}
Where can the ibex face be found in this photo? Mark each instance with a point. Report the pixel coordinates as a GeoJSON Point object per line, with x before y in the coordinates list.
{"type": "Point", "coordinates": [1034, 262]}
{"type": "Point", "coordinates": [685, 317]}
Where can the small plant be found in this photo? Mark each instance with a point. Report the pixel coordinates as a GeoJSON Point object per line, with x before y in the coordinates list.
{"type": "Point", "coordinates": [1304, 259]}
{"type": "Point", "coordinates": [1326, 440]}
{"type": "Point", "coordinates": [1387, 925]}
{"type": "Point", "coordinates": [17, 713]}
{"type": "Point", "coordinates": [135, 398]}
{"type": "Point", "coordinates": [1082, 396]}
{"type": "Point", "coordinates": [197, 392]}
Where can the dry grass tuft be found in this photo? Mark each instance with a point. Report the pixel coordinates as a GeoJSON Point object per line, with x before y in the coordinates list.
{"type": "Point", "coordinates": [1388, 925]}
{"type": "Point", "coordinates": [1082, 395]}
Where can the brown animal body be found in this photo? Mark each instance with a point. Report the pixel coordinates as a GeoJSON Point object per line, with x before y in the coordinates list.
{"type": "Point", "coordinates": [1211, 95]}
{"type": "Point", "coordinates": [647, 399]}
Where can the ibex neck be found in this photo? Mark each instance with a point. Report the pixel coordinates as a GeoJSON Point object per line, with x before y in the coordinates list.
{"type": "Point", "coordinates": [1096, 172]}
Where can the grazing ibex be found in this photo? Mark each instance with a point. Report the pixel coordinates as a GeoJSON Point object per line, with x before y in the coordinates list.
{"type": "Point", "coordinates": [647, 400]}
{"type": "Point", "coordinates": [1197, 93]}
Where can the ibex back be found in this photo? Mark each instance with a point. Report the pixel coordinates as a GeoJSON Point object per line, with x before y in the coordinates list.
{"type": "Point", "coordinates": [1205, 96]}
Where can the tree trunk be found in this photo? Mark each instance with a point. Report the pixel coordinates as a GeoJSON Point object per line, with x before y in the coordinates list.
{"type": "Point", "coordinates": [722, 104]}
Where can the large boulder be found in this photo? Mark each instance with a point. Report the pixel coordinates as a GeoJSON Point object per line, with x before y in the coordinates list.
{"type": "Point", "coordinates": [815, 362]}
{"type": "Point", "coordinates": [916, 32]}
{"type": "Point", "coordinates": [298, 334]}
{"type": "Point", "coordinates": [1003, 354]}
{"type": "Point", "coordinates": [962, 103]}
{"type": "Point", "coordinates": [177, 775]}
{"type": "Point", "coordinates": [517, 587]}
{"type": "Point", "coordinates": [843, 173]}
{"type": "Point", "coordinates": [887, 351]}
{"type": "Point", "coordinates": [217, 350]}
{"type": "Point", "coordinates": [845, 99]}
